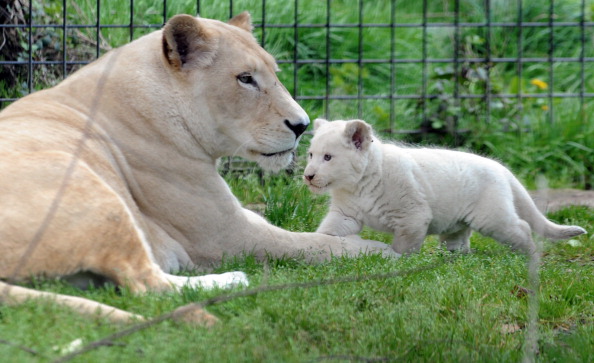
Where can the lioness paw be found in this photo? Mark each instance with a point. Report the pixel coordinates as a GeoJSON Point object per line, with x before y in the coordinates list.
{"type": "Point", "coordinates": [223, 281]}
{"type": "Point", "coordinates": [354, 245]}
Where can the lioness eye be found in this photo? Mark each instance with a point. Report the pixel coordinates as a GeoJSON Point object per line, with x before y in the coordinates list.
{"type": "Point", "coordinates": [246, 78]}
{"type": "Point", "coordinates": [310, 155]}
{"type": "Point", "coordinates": [327, 157]}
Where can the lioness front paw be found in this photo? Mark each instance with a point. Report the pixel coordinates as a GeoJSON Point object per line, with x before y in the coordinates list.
{"type": "Point", "coordinates": [354, 245]}
{"type": "Point", "coordinates": [223, 281]}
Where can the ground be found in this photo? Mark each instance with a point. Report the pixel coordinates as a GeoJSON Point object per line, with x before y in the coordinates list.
{"type": "Point", "coordinates": [550, 200]}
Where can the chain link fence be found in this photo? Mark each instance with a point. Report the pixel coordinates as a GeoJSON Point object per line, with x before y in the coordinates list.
{"type": "Point", "coordinates": [423, 67]}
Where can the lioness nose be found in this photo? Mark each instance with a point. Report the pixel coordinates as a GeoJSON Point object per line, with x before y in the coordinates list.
{"type": "Point", "coordinates": [298, 127]}
{"type": "Point", "coordinates": [309, 177]}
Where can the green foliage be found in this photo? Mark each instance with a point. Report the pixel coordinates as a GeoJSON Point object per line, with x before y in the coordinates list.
{"type": "Point", "coordinates": [561, 152]}
{"type": "Point", "coordinates": [518, 130]}
{"type": "Point", "coordinates": [284, 200]}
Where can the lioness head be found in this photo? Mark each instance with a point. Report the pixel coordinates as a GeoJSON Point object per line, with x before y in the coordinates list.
{"type": "Point", "coordinates": [232, 83]}
{"type": "Point", "coordinates": [338, 154]}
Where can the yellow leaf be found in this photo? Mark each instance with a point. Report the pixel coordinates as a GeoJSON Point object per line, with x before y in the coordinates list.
{"type": "Point", "coordinates": [539, 83]}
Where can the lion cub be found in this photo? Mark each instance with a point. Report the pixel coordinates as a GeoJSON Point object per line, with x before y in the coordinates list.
{"type": "Point", "coordinates": [413, 192]}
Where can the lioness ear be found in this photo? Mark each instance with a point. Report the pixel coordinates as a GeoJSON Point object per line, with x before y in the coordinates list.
{"type": "Point", "coordinates": [358, 134]}
{"type": "Point", "coordinates": [243, 21]}
{"type": "Point", "coordinates": [187, 42]}
{"type": "Point", "coordinates": [319, 122]}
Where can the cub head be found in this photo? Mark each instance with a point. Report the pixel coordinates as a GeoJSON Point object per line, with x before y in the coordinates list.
{"type": "Point", "coordinates": [226, 89]}
{"type": "Point", "coordinates": [338, 154]}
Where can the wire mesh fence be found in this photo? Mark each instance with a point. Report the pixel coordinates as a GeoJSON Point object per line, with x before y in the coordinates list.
{"type": "Point", "coordinates": [422, 67]}
{"type": "Point", "coordinates": [408, 67]}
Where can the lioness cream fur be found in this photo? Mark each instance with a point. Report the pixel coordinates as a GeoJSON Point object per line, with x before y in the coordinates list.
{"type": "Point", "coordinates": [413, 192]}
{"type": "Point", "coordinates": [114, 170]}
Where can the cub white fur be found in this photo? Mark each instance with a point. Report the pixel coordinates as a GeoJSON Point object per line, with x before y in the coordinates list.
{"type": "Point", "coordinates": [414, 192]}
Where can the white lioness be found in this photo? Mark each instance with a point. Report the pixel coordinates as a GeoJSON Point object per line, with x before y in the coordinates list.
{"type": "Point", "coordinates": [413, 192]}
{"type": "Point", "coordinates": [114, 170]}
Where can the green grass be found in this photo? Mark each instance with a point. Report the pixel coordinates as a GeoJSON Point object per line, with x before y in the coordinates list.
{"type": "Point", "coordinates": [442, 307]}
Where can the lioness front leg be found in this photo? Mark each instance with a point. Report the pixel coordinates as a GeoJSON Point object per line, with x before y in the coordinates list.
{"type": "Point", "coordinates": [264, 239]}
{"type": "Point", "coordinates": [134, 266]}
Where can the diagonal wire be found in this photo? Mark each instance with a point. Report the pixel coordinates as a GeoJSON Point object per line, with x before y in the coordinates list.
{"type": "Point", "coordinates": [21, 347]}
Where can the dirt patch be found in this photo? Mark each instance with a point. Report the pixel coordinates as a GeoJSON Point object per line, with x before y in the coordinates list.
{"type": "Point", "coordinates": [550, 200]}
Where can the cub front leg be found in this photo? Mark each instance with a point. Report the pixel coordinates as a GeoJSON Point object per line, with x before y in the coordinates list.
{"type": "Point", "coordinates": [338, 224]}
{"type": "Point", "coordinates": [408, 240]}
{"type": "Point", "coordinates": [409, 233]}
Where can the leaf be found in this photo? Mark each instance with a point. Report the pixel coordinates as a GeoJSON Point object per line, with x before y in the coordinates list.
{"type": "Point", "coordinates": [574, 243]}
{"type": "Point", "coordinates": [69, 347]}
{"type": "Point", "coordinates": [437, 124]}
{"type": "Point", "coordinates": [521, 292]}
{"type": "Point", "coordinates": [580, 146]}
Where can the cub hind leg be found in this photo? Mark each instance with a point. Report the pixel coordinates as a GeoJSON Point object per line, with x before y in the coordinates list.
{"type": "Point", "coordinates": [457, 241]}
{"type": "Point", "coordinates": [495, 216]}
{"type": "Point", "coordinates": [516, 233]}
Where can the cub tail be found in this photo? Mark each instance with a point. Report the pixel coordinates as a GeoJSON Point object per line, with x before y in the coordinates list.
{"type": "Point", "coordinates": [528, 211]}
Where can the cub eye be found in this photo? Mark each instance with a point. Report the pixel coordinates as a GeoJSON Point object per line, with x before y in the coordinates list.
{"type": "Point", "coordinates": [246, 78]}
{"type": "Point", "coordinates": [327, 157]}
{"type": "Point", "coordinates": [310, 155]}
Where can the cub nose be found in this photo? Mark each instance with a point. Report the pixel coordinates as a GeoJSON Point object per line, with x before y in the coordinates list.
{"type": "Point", "coordinates": [298, 127]}
{"type": "Point", "coordinates": [309, 177]}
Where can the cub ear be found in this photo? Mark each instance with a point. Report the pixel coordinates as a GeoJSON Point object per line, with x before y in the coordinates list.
{"type": "Point", "coordinates": [319, 122]}
{"type": "Point", "coordinates": [358, 134]}
{"type": "Point", "coordinates": [188, 43]}
{"type": "Point", "coordinates": [243, 21]}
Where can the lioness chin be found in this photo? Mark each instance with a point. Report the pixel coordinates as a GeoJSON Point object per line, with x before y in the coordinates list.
{"type": "Point", "coordinates": [413, 192]}
{"type": "Point", "coordinates": [113, 171]}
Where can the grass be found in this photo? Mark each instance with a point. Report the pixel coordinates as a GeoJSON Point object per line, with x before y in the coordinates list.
{"type": "Point", "coordinates": [442, 307]}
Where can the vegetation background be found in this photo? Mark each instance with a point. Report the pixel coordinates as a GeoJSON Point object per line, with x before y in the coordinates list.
{"type": "Point", "coordinates": [441, 307]}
